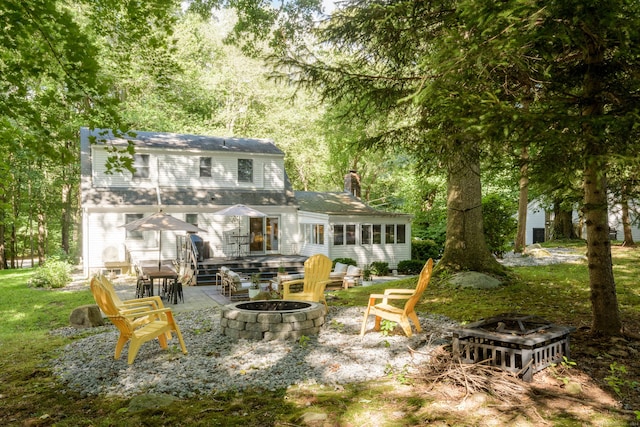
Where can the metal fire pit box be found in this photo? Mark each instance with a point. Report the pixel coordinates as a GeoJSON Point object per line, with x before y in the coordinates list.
{"type": "Point", "coordinates": [517, 343]}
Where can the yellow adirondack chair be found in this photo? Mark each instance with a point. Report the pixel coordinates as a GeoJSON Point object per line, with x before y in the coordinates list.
{"type": "Point", "coordinates": [148, 303]}
{"type": "Point", "coordinates": [316, 276]}
{"type": "Point", "coordinates": [384, 310]}
{"type": "Point", "coordinates": [157, 323]}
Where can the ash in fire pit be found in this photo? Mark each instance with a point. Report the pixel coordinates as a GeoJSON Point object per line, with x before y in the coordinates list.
{"type": "Point", "coordinates": [517, 343]}
{"type": "Point", "coordinates": [271, 319]}
{"type": "Point", "coordinates": [273, 305]}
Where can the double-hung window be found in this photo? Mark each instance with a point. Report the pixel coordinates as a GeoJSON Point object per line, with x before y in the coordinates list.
{"type": "Point", "coordinates": [245, 170]}
{"type": "Point", "coordinates": [141, 166]}
{"type": "Point", "coordinates": [134, 235]}
{"type": "Point", "coordinates": [205, 167]}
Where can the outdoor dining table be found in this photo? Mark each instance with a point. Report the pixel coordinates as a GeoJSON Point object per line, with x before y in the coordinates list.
{"type": "Point", "coordinates": [166, 277]}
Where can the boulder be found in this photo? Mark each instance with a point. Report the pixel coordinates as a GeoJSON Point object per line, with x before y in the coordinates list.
{"type": "Point", "coordinates": [473, 279]}
{"type": "Point", "coordinates": [86, 316]}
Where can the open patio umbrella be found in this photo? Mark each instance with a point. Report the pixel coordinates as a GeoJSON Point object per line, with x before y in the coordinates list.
{"type": "Point", "coordinates": [160, 222]}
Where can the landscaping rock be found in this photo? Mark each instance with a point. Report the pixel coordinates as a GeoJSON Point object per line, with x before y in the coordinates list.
{"type": "Point", "coordinates": [151, 401]}
{"type": "Point", "coordinates": [475, 280]}
{"type": "Point", "coordinates": [86, 316]}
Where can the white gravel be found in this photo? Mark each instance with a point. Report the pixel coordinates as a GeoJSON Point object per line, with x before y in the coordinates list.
{"type": "Point", "coordinates": [216, 363]}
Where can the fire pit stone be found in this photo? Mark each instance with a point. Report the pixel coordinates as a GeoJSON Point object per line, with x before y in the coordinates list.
{"type": "Point", "coordinates": [271, 319]}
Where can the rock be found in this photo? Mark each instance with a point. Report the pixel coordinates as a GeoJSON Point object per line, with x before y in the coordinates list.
{"type": "Point", "coordinates": [538, 253]}
{"type": "Point", "coordinates": [151, 401]}
{"type": "Point", "coordinates": [473, 279]}
{"type": "Point", "coordinates": [86, 316]}
{"type": "Point", "coordinates": [314, 417]}
{"type": "Point", "coordinates": [573, 387]}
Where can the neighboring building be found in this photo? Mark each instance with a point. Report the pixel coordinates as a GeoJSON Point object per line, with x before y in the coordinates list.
{"type": "Point", "coordinates": [539, 222]}
{"type": "Point", "coordinates": [191, 177]}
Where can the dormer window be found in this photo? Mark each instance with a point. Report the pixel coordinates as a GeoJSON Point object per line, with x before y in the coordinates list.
{"type": "Point", "coordinates": [245, 170]}
{"type": "Point", "coordinates": [205, 167]}
{"type": "Point", "coordinates": [141, 166]}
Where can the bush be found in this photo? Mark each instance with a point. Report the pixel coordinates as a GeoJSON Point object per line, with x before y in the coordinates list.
{"type": "Point", "coordinates": [411, 266]}
{"type": "Point", "coordinates": [348, 261]}
{"type": "Point", "coordinates": [499, 224]}
{"type": "Point", "coordinates": [425, 249]}
{"type": "Point", "coordinates": [54, 273]}
{"type": "Point", "coordinates": [379, 268]}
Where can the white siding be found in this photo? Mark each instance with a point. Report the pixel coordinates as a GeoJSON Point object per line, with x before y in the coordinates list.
{"type": "Point", "coordinates": [183, 170]}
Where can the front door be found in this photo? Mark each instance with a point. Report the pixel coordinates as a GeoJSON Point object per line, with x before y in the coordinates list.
{"type": "Point", "coordinates": [264, 235]}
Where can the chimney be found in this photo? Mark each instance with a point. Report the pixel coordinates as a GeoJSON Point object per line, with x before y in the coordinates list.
{"type": "Point", "coordinates": [352, 183]}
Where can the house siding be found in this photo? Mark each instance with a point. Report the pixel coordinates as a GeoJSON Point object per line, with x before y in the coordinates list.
{"type": "Point", "coordinates": [183, 170]}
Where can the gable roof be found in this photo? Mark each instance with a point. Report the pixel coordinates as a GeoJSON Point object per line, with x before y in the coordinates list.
{"type": "Point", "coordinates": [338, 203]}
{"type": "Point", "coordinates": [176, 141]}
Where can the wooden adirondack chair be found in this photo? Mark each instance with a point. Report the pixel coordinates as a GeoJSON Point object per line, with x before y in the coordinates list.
{"type": "Point", "coordinates": [148, 303]}
{"type": "Point", "coordinates": [316, 276]}
{"type": "Point", "coordinates": [384, 310]}
{"type": "Point", "coordinates": [157, 323]}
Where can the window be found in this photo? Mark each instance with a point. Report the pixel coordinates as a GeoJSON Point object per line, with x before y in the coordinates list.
{"type": "Point", "coordinates": [351, 234]}
{"type": "Point", "coordinates": [365, 234]}
{"type": "Point", "coordinates": [192, 219]}
{"type": "Point", "coordinates": [205, 167]}
{"type": "Point", "coordinates": [141, 165]}
{"type": "Point", "coordinates": [389, 237]}
{"type": "Point", "coordinates": [377, 234]}
{"type": "Point", "coordinates": [245, 170]}
{"type": "Point", "coordinates": [401, 233]}
{"type": "Point", "coordinates": [338, 235]}
{"type": "Point", "coordinates": [314, 234]}
{"type": "Point", "coordinates": [133, 234]}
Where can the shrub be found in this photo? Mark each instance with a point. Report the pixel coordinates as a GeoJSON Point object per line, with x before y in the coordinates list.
{"type": "Point", "coordinates": [410, 266]}
{"type": "Point", "coordinates": [54, 273]}
{"type": "Point", "coordinates": [379, 268]}
{"type": "Point", "coordinates": [499, 224]}
{"type": "Point", "coordinates": [348, 261]}
{"type": "Point", "coordinates": [425, 249]}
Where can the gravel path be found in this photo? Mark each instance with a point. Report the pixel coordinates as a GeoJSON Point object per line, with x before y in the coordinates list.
{"type": "Point", "coordinates": [216, 363]}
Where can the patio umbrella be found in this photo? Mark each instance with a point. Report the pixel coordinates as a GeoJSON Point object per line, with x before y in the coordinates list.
{"type": "Point", "coordinates": [240, 210]}
{"type": "Point", "coordinates": [160, 222]}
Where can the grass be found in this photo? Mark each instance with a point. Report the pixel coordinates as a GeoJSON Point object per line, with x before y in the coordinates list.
{"type": "Point", "coordinates": [29, 394]}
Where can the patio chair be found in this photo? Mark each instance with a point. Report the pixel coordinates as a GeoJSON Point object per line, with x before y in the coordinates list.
{"type": "Point", "coordinates": [384, 310]}
{"type": "Point", "coordinates": [316, 277]}
{"type": "Point", "coordinates": [158, 323]}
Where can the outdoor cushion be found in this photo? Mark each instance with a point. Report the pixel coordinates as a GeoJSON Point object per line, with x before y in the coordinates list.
{"type": "Point", "coordinates": [340, 268]}
{"type": "Point", "coordinates": [353, 271]}
{"type": "Point", "coordinates": [339, 271]}
{"type": "Point", "coordinates": [287, 277]}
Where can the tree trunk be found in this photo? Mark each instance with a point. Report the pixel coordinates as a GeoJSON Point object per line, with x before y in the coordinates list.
{"type": "Point", "coordinates": [604, 302]}
{"type": "Point", "coordinates": [523, 202]}
{"type": "Point", "coordinates": [562, 223]}
{"type": "Point", "coordinates": [65, 223]}
{"type": "Point", "coordinates": [42, 238]}
{"type": "Point", "coordinates": [626, 224]}
{"type": "Point", "coordinates": [465, 246]}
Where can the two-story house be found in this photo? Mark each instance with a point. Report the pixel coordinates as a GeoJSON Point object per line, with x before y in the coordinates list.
{"type": "Point", "coordinates": [191, 177]}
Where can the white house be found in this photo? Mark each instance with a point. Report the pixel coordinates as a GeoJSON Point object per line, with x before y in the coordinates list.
{"type": "Point", "coordinates": [539, 223]}
{"type": "Point", "coordinates": [191, 177]}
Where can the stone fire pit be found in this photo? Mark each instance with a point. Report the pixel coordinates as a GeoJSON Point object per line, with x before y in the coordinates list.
{"type": "Point", "coordinates": [271, 319]}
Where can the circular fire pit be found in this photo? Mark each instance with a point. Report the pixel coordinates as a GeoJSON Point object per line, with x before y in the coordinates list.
{"type": "Point", "coordinates": [271, 319]}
